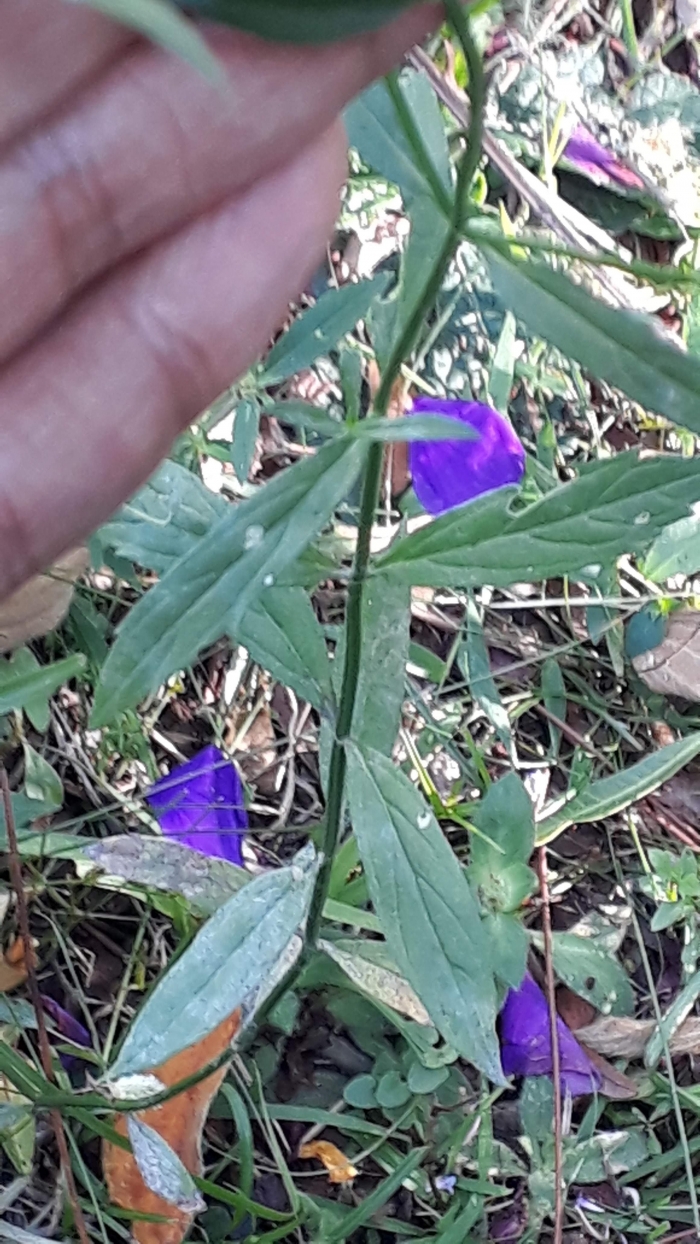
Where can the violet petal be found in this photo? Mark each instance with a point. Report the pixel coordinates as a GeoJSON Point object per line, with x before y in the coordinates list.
{"type": "Point", "coordinates": [450, 473]}
{"type": "Point", "coordinates": [70, 1028]}
{"type": "Point", "coordinates": [589, 157]}
{"type": "Point", "coordinates": [526, 1046]}
{"type": "Point", "coordinates": [65, 1023]}
{"type": "Point", "coordinates": [200, 804]}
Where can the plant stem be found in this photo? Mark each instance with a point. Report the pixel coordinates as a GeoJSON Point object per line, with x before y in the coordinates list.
{"type": "Point", "coordinates": [370, 491]}
{"type": "Point", "coordinates": [348, 693]}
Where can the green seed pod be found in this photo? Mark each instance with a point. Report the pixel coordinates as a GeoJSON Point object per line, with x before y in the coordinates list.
{"type": "Point", "coordinates": [300, 21]}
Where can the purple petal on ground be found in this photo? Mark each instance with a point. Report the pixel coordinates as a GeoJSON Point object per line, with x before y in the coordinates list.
{"type": "Point", "coordinates": [526, 1045]}
{"type": "Point", "coordinates": [70, 1028]}
{"type": "Point", "coordinates": [586, 153]}
{"type": "Point", "coordinates": [200, 804]}
{"type": "Point", "coordinates": [65, 1023]}
{"type": "Point", "coordinates": [450, 473]}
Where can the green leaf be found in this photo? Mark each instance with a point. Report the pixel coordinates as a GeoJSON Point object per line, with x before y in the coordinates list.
{"type": "Point", "coordinates": [38, 842]}
{"type": "Point", "coordinates": [610, 795]}
{"type": "Point", "coordinates": [382, 142]}
{"type": "Point", "coordinates": [672, 1020]}
{"type": "Point", "coordinates": [360, 1092]}
{"type": "Point", "coordinates": [161, 1169]}
{"type": "Point", "coordinates": [41, 781]}
{"type": "Point", "coordinates": [616, 506]}
{"type": "Point", "coordinates": [505, 816]}
{"type": "Point", "coordinates": [392, 1091]}
{"type": "Point", "coordinates": [509, 945]}
{"type": "Point", "coordinates": [622, 347]}
{"type": "Point", "coordinates": [425, 1079]}
{"type": "Point", "coordinates": [231, 962]}
{"type": "Point", "coordinates": [676, 551]}
{"type": "Point", "coordinates": [319, 330]}
{"type": "Point", "coordinates": [503, 366]}
{"type": "Point", "coordinates": [246, 421]}
{"type": "Point", "coordinates": [24, 684]}
{"type": "Point", "coordinates": [160, 21]}
{"type": "Point", "coordinates": [241, 555]}
{"type": "Point", "coordinates": [18, 1136]}
{"type": "Point", "coordinates": [476, 667]}
{"type": "Point", "coordinates": [167, 520]}
{"type": "Point", "coordinates": [172, 514]}
{"type": "Point", "coordinates": [430, 919]}
{"type": "Point", "coordinates": [593, 973]}
{"type": "Point", "coordinates": [17, 1012]}
{"type": "Point", "coordinates": [282, 633]}
{"type": "Point", "coordinates": [381, 684]}
{"type": "Point", "coordinates": [164, 521]}
{"type": "Point", "coordinates": [413, 428]}
{"type": "Point", "coordinates": [301, 21]}
{"type": "Point", "coordinates": [554, 696]}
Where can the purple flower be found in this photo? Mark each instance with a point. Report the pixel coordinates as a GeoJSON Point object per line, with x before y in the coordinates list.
{"type": "Point", "coordinates": [200, 804]}
{"type": "Point", "coordinates": [450, 473]}
{"type": "Point", "coordinates": [69, 1027]}
{"type": "Point", "coordinates": [526, 1045]}
{"type": "Point", "coordinates": [587, 156]}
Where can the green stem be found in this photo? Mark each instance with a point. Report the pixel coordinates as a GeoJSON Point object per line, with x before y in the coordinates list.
{"type": "Point", "coordinates": [477, 97]}
{"type": "Point", "coordinates": [348, 693]}
{"type": "Point", "coordinates": [372, 481]}
{"type": "Point", "coordinates": [628, 31]}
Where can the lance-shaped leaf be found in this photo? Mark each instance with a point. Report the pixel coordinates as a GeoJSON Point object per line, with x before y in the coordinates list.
{"type": "Point", "coordinates": [611, 794]}
{"type": "Point", "coordinates": [623, 347]}
{"type": "Point", "coordinates": [231, 960]}
{"type": "Point", "coordinates": [614, 507]}
{"type": "Point", "coordinates": [212, 587]}
{"type": "Point", "coordinates": [429, 916]}
{"type": "Point", "coordinates": [168, 518]}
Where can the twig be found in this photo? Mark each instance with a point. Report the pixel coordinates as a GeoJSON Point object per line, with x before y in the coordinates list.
{"type": "Point", "coordinates": [556, 1061]}
{"type": "Point", "coordinates": [44, 1047]}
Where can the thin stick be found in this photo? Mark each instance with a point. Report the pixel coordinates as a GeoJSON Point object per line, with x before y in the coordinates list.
{"type": "Point", "coordinates": [44, 1047]}
{"type": "Point", "coordinates": [556, 1061]}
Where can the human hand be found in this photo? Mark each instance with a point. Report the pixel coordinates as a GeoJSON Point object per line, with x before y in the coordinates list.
{"type": "Point", "coordinates": [153, 229]}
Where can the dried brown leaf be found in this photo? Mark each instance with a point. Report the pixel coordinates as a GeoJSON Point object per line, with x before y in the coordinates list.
{"type": "Point", "coordinates": [180, 1121]}
{"type": "Point", "coordinates": [613, 1083]}
{"type": "Point", "coordinates": [576, 1012]}
{"type": "Point", "coordinates": [673, 667]}
{"type": "Point", "coordinates": [340, 1169]}
{"type": "Point", "coordinates": [13, 966]}
{"type": "Point", "coordinates": [43, 602]}
{"type": "Point", "coordinates": [619, 1037]}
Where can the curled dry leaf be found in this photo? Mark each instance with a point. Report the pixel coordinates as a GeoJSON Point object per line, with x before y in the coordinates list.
{"type": "Point", "coordinates": [619, 1037]}
{"type": "Point", "coordinates": [673, 667]}
{"type": "Point", "coordinates": [340, 1169]}
{"type": "Point", "coordinates": [180, 1122]}
{"type": "Point", "coordinates": [43, 602]}
{"type": "Point", "coordinates": [13, 966]}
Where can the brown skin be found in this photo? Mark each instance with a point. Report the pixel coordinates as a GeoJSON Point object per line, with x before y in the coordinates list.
{"type": "Point", "coordinates": [153, 229]}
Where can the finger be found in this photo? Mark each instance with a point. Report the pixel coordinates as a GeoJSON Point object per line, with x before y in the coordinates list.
{"type": "Point", "coordinates": [49, 49]}
{"type": "Point", "coordinates": [154, 143]}
{"type": "Point", "coordinates": [87, 413]}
